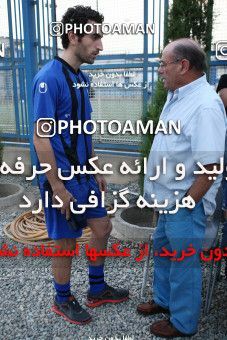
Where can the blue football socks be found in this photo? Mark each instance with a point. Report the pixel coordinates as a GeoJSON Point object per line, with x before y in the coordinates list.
{"type": "Point", "coordinates": [62, 291]}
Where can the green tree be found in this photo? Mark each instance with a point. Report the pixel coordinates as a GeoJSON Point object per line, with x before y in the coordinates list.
{"type": "Point", "coordinates": [191, 19]}
{"type": "Point", "coordinates": [154, 113]}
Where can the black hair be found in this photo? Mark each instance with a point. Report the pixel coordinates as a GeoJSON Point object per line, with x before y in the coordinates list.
{"type": "Point", "coordinates": [222, 84]}
{"type": "Point", "coordinates": [190, 50]}
{"type": "Point", "coordinates": [79, 15]}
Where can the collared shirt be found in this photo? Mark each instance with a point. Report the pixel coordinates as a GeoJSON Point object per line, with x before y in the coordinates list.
{"type": "Point", "coordinates": [202, 139]}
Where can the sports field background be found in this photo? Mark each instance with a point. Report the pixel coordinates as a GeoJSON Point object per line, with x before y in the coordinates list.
{"type": "Point", "coordinates": [119, 108]}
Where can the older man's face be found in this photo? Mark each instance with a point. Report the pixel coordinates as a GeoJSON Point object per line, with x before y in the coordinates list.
{"type": "Point", "coordinates": [169, 69]}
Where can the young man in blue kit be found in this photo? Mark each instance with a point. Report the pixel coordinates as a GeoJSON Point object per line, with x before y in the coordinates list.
{"type": "Point", "coordinates": [56, 97]}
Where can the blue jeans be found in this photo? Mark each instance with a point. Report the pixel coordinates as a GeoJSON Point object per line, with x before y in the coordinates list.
{"type": "Point", "coordinates": [224, 206]}
{"type": "Point", "coordinates": [178, 284]}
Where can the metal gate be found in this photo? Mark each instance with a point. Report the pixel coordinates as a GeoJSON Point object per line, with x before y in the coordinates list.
{"type": "Point", "coordinates": [26, 47]}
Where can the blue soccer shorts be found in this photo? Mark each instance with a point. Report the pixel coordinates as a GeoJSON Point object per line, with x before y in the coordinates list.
{"type": "Point", "coordinates": [57, 225]}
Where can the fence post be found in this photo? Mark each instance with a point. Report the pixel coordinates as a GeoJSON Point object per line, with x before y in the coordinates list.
{"type": "Point", "coordinates": [12, 61]}
{"type": "Point", "coordinates": [166, 12]}
{"type": "Point", "coordinates": [53, 17]}
{"type": "Point", "coordinates": [28, 10]}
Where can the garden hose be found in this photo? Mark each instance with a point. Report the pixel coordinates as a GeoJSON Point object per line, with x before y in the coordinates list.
{"type": "Point", "coordinates": [31, 229]}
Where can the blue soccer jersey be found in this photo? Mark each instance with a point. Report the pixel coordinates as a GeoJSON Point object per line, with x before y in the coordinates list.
{"type": "Point", "coordinates": [57, 96]}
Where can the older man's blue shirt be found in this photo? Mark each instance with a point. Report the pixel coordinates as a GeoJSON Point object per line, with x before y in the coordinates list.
{"type": "Point", "coordinates": [202, 139]}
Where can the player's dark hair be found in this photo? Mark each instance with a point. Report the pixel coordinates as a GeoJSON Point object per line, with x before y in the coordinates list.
{"type": "Point", "coordinates": [79, 15]}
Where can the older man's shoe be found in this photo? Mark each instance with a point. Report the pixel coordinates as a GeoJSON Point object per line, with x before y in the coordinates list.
{"type": "Point", "coordinates": [150, 308]}
{"type": "Point", "coordinates": [165, 329]}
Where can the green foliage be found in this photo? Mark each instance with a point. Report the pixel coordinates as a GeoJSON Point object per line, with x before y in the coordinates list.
{"type": "Point", "coordinates": [192, 19]}
{"type": "Point", "coordinates": [153, 114]}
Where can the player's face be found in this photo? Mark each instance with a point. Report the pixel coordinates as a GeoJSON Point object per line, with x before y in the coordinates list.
{"type": "Point", "coordinates": [90, 45]}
